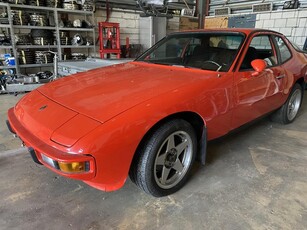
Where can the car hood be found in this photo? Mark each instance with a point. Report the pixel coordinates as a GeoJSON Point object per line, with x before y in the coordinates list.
{"type": "Point", "coordinates": [104, 93]}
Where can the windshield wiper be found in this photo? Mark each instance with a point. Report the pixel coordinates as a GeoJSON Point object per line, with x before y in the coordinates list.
{"type": "Point", "coordinates": [181, 66]}
{"type": "Point", "coordinates": [160, 63]}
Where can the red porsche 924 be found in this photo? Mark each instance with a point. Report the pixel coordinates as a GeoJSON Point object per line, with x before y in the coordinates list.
{"type": "Point", "coordinates": [151, 118]}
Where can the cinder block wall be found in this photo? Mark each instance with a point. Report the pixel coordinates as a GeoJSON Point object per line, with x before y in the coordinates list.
{"type": "Point", "coordinates": [291, 23]}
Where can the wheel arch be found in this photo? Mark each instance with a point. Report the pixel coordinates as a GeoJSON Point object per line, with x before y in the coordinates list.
{"type": "Point", "coordinates": [198, 125]}
{"type": "Point", "coordinates": [301, 82]}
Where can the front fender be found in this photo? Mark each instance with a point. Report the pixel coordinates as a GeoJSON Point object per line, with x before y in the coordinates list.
{"type": "Point", "coordinates": [115, 142]}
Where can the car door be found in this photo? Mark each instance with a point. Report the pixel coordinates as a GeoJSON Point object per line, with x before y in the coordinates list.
{"type": "Point", "coordinates": [256, 94]}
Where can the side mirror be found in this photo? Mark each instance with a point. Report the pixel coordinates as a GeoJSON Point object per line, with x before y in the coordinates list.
{"type": "Point", "coordinates": [258, 65]}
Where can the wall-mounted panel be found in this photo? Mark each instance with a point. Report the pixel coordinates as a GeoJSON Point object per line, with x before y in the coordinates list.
{"type": "Point", "coordinates": [242, 21]}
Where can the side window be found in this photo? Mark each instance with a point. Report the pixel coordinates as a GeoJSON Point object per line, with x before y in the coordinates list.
{"type": "Point", "coordinates": [285, 53]}
{"type": "Point", "coordinates": [259, 48]}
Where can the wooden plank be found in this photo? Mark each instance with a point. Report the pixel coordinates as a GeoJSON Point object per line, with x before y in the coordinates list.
{"type": "Point", "coordinates": [216, 22]}
{"type": "Point", "coordinates": [188, 23]}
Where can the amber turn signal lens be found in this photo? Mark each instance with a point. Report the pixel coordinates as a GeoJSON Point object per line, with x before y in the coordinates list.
{"type": "Point", "coordinates": [73, 167]}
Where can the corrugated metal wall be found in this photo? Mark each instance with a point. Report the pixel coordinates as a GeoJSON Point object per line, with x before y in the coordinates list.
{"type": "Point", "coordinates": [245, 6]}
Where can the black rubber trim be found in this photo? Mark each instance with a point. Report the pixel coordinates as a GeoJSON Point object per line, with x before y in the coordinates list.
{"type": "Point", "coordinates": [33, 155]}
{"type": "Point", "coordinates": [203, 146]}
{"type": "Point", "coordinates": [10, 127]}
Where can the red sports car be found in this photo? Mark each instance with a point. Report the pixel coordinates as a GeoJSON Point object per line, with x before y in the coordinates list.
{"type": "Point", "coordinates": [151, 118]}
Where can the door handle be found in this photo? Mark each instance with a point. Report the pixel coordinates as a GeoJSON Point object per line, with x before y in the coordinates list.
{"type": "Point", "coordinates": [281, 76]}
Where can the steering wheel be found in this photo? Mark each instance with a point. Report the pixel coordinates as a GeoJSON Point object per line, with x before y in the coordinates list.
{"type": "Point", "coordinates": [215, 63]}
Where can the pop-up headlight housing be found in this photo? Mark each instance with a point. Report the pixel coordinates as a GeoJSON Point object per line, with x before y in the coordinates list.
{"type": "Point", "coordinates": [74, 129]}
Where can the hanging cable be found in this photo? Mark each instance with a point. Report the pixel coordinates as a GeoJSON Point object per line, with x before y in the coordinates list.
{"type": "Point", "coordinates": [108, 10]}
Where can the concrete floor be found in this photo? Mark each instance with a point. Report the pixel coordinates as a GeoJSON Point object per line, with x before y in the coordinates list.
{"type": "Point", "coordinates": [254, 179]}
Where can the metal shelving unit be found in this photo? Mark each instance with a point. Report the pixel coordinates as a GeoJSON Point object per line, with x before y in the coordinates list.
{"type": "Point", "coordinates": [76, 29]}
{"type": "Point", "coordinates": [78, 47]}
{"type": "Point", "coordinates": [30, 7]}
{"type": "Point", "coordinates": [36, 47]}
{"type": "Point", "coordinates": [9, 29]}
{"type": "Point", "coordinates": [87, 31]}
{"type": "Point", "coordinates": [56, 14]}
{"type": "Point", "coordinates": [7, 67]}
{"type": "Point", "coordinates": [4, 25]}
{"type": "Point", "coordinates": [36, 65]}
{"type": "Point", "coordinates": [34, 27]}
{"type": "Point", "coordinates": [6, 47]}
{"type": "Point", "coordinates": [73, 11]}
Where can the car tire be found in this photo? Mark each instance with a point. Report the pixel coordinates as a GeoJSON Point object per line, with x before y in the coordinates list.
{"type": "Point", "coordinates": [288, 112]}
{"type": "Point", "coordinates": [164, 161]}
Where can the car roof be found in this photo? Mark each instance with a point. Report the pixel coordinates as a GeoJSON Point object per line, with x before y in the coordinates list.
{"type": "Point", "coordinates": [246, 31]}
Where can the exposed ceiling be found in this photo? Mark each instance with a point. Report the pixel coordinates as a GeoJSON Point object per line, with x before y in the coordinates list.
{"type": "Point", "coordinates": [133, 5]}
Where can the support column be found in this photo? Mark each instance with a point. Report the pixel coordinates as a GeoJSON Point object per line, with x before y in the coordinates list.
{"type": "Point", "coordinates": [202, 7]}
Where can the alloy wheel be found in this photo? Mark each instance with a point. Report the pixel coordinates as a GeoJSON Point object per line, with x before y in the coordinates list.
{"type": "Point", "coordinates": [173, 159]}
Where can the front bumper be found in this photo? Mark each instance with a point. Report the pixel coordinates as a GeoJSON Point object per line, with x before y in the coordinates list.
{"type": "Point", "coordinates": [31, 150]}
{"type": "Point", "coordinates": [38, 148]}
{"type": "Point", "coordinates": [10, 127]}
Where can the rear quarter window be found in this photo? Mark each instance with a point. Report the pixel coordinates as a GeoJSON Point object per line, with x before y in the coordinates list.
{"type": "Point", "coordinates": [285, 53]}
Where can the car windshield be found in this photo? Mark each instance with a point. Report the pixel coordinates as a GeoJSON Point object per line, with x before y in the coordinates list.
{"type": "Point", "coordinates": [208, 51]}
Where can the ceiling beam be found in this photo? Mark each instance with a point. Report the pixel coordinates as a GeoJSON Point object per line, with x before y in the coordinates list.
{"type": "Point", "coordinates": [132, 5]}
